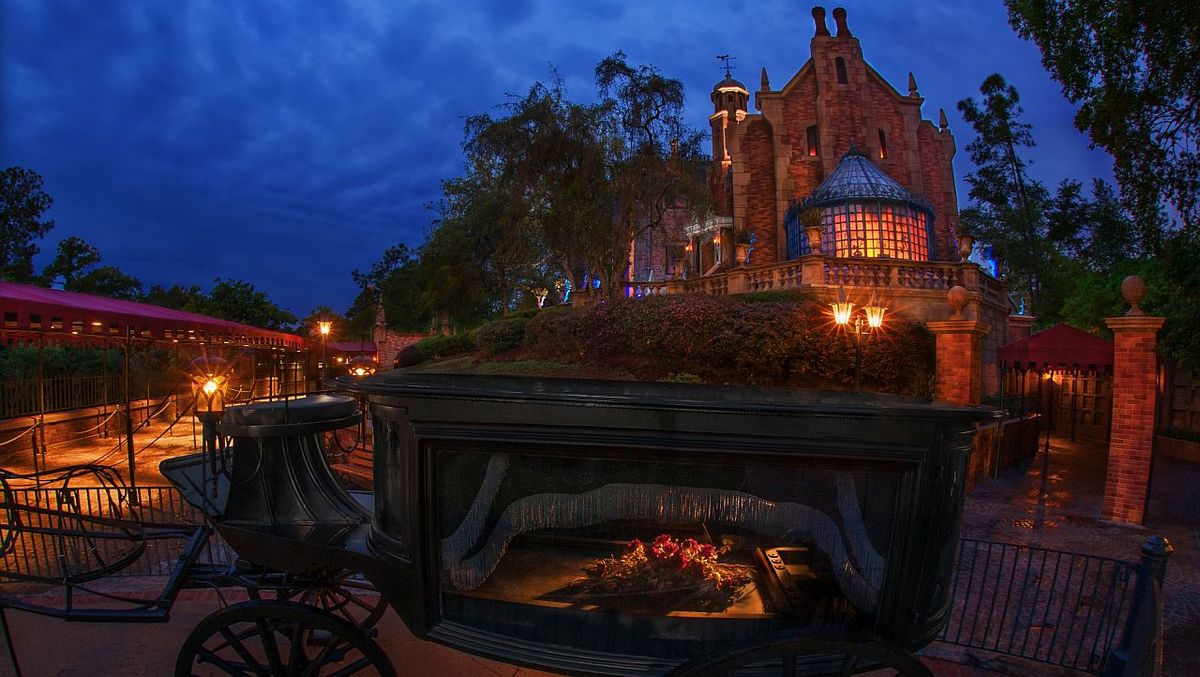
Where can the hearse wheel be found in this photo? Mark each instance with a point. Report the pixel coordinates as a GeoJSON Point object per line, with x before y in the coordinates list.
{"type": "Point", "coordinates": [280, 639]}
{"type": "Point", "coordinates": [342, 594]}
{"type": "Point", "coordinates": [811, 657]}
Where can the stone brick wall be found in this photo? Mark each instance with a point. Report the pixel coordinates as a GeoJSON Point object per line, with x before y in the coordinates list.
{"type": "Point", "coordinates": [387, 342]}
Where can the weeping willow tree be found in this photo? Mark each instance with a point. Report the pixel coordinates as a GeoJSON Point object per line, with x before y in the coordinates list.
{"type": "Point", "coordinates": [570, 185]}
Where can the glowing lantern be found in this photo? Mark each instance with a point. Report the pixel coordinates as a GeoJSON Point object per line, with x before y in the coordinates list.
{"type": "Point", "coordinates": [209, 375]}
{"type": "Point", "coordinates": [361, 366]}
{"type": "Point", "coordinates": [842, 308]}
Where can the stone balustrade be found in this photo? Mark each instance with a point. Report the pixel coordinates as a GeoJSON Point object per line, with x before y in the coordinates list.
{"type": "Point", "coordinates": [817, 272]}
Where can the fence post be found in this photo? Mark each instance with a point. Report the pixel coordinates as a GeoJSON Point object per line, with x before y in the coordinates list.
{"type": "Point", "coordinates": [133, 493]}
{"type": "Point", "coordinates": [1140, 641]}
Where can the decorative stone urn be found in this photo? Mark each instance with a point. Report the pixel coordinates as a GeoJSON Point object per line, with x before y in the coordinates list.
{"type": "Point", "coordinates": [966, 244]}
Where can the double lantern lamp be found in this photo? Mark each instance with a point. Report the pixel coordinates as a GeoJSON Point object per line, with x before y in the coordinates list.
{"type": "Point", "coordinates": [861, 324]}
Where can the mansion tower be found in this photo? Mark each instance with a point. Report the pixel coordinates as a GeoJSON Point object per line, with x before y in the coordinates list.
{"type": "Point", "coordinates": [836, 140]}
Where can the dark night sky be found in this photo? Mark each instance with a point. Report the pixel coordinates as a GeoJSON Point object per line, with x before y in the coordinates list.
{"type": "Point", "coordinates": [287, 143]}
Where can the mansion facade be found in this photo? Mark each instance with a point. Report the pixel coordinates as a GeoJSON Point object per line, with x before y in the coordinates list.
{"type": "Point", "coordinates": [835, 186]}
{"type": "Point", "coordinates": [837, 137]}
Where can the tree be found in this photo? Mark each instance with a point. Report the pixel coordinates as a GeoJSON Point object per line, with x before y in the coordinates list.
{"type": "Point", "coordinates": [22, 206]}
{"type": "Point", "coordinates": [1134, 70]}
{"type": "Point", "coordinates": [75, 267]}
{"type": "Point", "coordinates": [561, 189]}
{"type": "Point", "coordinates": [310, 324]}
{"type": "Point", "coordinates": [1007, 208]}
{"type": "Point", "coordinates": [190, 298]}
{"type": "Point", "coordinates": [238, 301]}
{"type": "Point", "coordinates": [654, 159]}
{"type": "Point", "coordinates": [72, 259]}
{"type": "Point", "coordinates": [108, 281]}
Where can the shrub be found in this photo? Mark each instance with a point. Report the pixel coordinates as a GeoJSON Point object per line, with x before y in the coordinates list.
{"type": "Point", "coordinates": [774, 339]}
{"type": "Point", "coordinates": [408, 356]}
{"type": "Point", "coordinates": [444, 346]}
{"type": "Point", "coordinates": [502, 335]}
{"type": "Point", "coordinates": [556, 333]}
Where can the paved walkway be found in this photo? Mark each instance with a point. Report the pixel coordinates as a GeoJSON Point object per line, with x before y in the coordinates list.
{"type": "Point", "coordinates": [1062, 512]}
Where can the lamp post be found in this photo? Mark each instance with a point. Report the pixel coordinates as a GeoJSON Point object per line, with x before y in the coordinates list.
{"type": "Point", "coordinates": [863, 324]}
{"type": "Point", "coordinates": [209, 380]}
{"type": "Point", "coordinates": [324, 326]}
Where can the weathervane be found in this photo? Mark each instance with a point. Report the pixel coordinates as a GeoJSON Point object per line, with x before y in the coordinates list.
{"type": "Point", "coordinates": [726, 58]}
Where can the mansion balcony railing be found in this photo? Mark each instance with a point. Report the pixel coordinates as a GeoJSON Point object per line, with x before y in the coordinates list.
{"type": "Point", "coordinates": [821, 274]}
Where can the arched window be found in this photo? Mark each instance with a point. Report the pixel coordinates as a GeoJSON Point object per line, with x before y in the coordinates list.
{"type": "Point", "coordinates": [840, 65]}
{"type": "Point", "coordinates": [813, 141]}
{"type": "Point", "coordinates": [882, 145]}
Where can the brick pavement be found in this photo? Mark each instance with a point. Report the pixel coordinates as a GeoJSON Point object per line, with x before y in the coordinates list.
{"type": "Point", "coordinates": [1064, 513]}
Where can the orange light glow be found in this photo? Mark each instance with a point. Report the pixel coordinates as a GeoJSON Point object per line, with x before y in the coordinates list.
{"type": "Point", "coordinates": [324, 326]}
{"type": "Point", "coordinates": [874, 315]}
{"type": "Point", "coordinates": [841, 312]}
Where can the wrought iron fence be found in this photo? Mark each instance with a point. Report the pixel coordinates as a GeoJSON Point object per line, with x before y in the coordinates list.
{"type": "Point", "coordinates": [21, 397]}
{"type": "Point", "coordinates": [37, 549]}
{"type": "Point", "coordinates": [1055, 607]}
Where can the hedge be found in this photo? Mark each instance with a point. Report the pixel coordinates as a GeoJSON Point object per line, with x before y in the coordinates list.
{"type": "Point", "coordinates": [445, 346]}
{"type": "Point", "coordinates": [726, 340]}
{"type": "Point", "coordinates": [501, 335]}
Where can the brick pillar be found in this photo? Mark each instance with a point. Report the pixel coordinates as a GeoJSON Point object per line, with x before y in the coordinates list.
{"type": "Point", "coordinates": [1135, 388]}
{"type": "Point", "coordinates": [1019, 327]}
{"type": "Point", "coordinates": [959, 360]}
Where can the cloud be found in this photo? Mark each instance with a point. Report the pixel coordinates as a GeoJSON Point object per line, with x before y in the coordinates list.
{"type": "Point", "coordinates": [296, 141]}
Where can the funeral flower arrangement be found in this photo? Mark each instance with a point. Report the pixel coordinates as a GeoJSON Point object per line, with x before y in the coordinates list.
{"type": "Point", "coordinates": [684, 574]}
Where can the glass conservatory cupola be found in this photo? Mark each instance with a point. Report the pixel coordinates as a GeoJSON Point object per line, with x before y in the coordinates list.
{"type": "Point", "coordinates": [862, 212]}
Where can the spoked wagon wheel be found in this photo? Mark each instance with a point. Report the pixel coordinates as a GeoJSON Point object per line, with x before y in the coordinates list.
{"type": "Point", "coordinates": [342, 594]}
{"type": "Point", "coordinates": [279, 639]}
{"type": "Point", "coordinates": [792, 657]}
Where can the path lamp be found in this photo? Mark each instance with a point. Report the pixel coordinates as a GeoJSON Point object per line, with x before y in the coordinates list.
{"type": "Point", "coordinates": [863, 324]}
{"type": "Point", "coordinates": [210, 378]}
{"type": "Point", "coordinates": [324, 326]}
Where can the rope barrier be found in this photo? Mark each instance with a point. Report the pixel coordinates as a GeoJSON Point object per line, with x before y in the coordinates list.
{"type": "Point", "coordinates": [81, 433]}
{"type": "Point", "coordinates": [179, 416]}
{"type": "Point", "coordinates": [23, 433]}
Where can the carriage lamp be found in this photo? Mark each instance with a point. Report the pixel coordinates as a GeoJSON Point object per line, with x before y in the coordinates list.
{"type": "Point", "coordinates": [862, 324]}
{"type": "Point", "coordinates": [210, 376]}
{"type": "Point", "coordinates": [361, 366]}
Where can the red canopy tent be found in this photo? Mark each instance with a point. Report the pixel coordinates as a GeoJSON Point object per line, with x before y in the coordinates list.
{"type": "Point", "coordinates": [1059, 347]}
{"type": "Point", "coordinates": [70, 317]}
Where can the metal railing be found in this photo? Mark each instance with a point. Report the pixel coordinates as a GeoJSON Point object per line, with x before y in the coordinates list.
{"type": "Point", "coordinates": [36, 550]}
{"type": "Point", "coordinates": [1050, 606]}
{"type": "Point", "coordinates": [20, 397]}
{"type": "Point", "coordinates": [1091, 614]}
